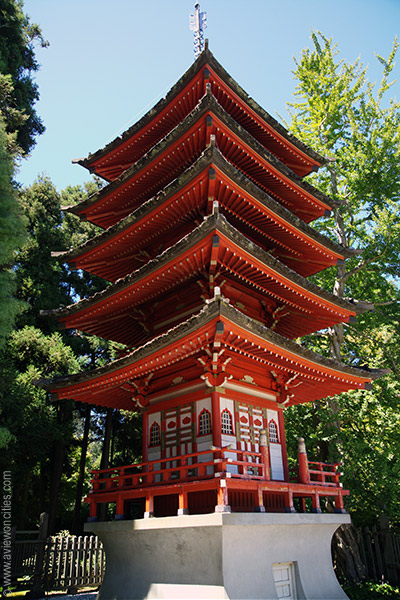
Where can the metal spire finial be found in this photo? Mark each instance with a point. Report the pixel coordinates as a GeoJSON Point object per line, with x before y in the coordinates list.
{"type": "Point", "coordinates": [198, 23]}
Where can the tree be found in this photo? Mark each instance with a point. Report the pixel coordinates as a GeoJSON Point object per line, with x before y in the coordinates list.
{"type": "Point", "coordinates": [351, 121]}
{"type": "Point", "coordinates": [19, 125]}
{"type": "Point", "coordinates": [30, 422]}
{"type": "Point", "coordinates": [18, 91]}
{"type": "Point", "coordinates": [34, 350]}
{"type": "Point", "coordinates": [343, 116]}
{"type": "Point", "coordinates": [12, 234]}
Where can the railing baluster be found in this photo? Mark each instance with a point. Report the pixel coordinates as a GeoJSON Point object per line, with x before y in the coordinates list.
{"type": "Point", "coordinates": [115, 483]}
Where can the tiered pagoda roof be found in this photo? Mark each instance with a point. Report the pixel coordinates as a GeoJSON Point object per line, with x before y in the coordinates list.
{"type": "Point", "coordinates": [117, 156]}
{"type": "Point", "coordinates": [303, 375]}
{"type": "Point", "coordinates": [184, 145]}
{"type": "Point", "coordinates": [206, 215]}
{"type": "Point", "coordinates": [295, 306]}
{"type": "Point", "coordinates": [179, 207]}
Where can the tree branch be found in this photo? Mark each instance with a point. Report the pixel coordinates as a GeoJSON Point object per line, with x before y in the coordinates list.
{"type": "Point", "coordinates": [359, 267]}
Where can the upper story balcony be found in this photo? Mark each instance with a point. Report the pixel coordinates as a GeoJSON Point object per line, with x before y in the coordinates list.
{"type": "Point", "coordinates": [219, 479]}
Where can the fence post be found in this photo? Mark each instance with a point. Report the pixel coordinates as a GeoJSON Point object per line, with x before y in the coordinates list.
{"type": "Point", "coordinates": [389, 555]}
{"type": "Point", "coordinates": [37, 590]}
{"type": "Point", "coordinates": [304, 474]}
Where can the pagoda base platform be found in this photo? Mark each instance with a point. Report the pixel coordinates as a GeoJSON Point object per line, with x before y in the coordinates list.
{"type": "Point", "coordinates": [220, 555]}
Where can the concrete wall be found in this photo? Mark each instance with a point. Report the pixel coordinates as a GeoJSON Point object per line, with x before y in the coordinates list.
{"type": "Point", "coordinates": [218, 556]}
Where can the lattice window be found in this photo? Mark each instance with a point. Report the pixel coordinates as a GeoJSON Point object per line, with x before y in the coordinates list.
{"type": "Point", "coordinates": [226, 422]}
{"type": "Point", "coordinates": [155, 437]}
{"type": "Point", "coordinates": [273, 433]}
{"type": "Point", "coordinates": [204, 422]}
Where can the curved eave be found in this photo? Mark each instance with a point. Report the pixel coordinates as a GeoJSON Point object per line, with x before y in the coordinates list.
{"type": "Point", "coordinates": [99, 254]}
{"type": "Point", "coordinates": [315, 376]}
{"type": "Point", "coordinates": [214, 242]}
{"type": "Point", "coordinates": [165, 160]}
{"type": "Point", "coordinates": [181, 92]}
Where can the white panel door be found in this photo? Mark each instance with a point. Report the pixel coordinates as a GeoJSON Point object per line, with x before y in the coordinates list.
{"type": "Point", "coordinates": [284, 580]}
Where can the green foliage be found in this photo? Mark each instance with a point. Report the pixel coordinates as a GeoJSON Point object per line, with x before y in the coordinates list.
{"type": "Point", "coordinates": [372, 591]}
{"type": "Point", "coordinates": [354, 123]}
{"type": "Point", "coordinates": [19, 125]}
{"type": "Point", "coordinates": [31, 424]}
{"type": "Point", "coordinates": [12, 235]}
{"type": "Point", "coordinates": [43, 281]}
{"type": "Point", "coordinates": [18, 91]}
{"type": "Point", "coordinates": [127, 437]}
{"type": "Point", "coordinates": [343, 116]}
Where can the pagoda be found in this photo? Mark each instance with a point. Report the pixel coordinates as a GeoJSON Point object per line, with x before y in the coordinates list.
{"type": "Point", "coordinates": [208, 247]}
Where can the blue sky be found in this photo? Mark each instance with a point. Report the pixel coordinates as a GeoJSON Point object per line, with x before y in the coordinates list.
{"type": "Point", "coordinates": [109, 61]}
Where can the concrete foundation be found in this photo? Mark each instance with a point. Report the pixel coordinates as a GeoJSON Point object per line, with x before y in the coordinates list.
{"type": "Point", "coordinates": [237, 555]}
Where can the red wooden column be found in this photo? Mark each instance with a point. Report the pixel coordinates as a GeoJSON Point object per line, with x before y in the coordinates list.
{"type": "Point", "coordinates": [119, 509]}
{"type": "Point", "coordinates": [149, 510]}
{"type": "Point", "coordinates": [222, 498]}
{"type": "Point", "coordinates": [315, 503]}
{"type": "Point", "coordinates": [216, 419]}
{"type": "Point", "coordinates": [92, 511]}
{"type": "Point", "coordinates": [339, 506]}
{"type": "Point", "coordinates": [304, 474]}
{"type": "Point", "coordinates": [289, 506]}
{"type": "Point", "coordinates": [183, 503]}
{"type": "Point", "coordinates": [260, 497]}
{"type": "Point", "coordinates": [264, 449]}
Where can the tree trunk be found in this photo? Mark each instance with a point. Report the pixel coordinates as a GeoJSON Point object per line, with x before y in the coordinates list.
{"type": "Point", "coordinates": [57, 463]}
{"type": "Point", "coordinates": [105, 455]}
{"type": "Point", "coordinates": [22, 518]}
{"type": "Point", "coordinates": [64, 413]}
{"type": "Point", "coordinates": [76, 521]}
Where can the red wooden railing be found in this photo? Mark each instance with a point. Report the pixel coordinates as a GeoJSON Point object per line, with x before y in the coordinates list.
{"type": "Point", "coordinates": [249, 470]}
{"type": "Point", "coordinates": [246, 465]}
{"type": "Point", "coordinates": [324, 473]}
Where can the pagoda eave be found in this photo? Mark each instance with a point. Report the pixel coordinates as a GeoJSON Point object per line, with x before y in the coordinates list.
{"type": "Point", "coordinates": [234, 256]}
{"type": "Point", "coordinates": [302, 375]}
{"type": "Point", "coordinates": [187, 141]}
{"type": "Point", "coordinates": [240, 199]}
{"type": "Point", "coordinates": [110, 161]}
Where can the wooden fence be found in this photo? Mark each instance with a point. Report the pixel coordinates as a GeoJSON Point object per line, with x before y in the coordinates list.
{"type": "Point", "coordinates": [72, 562]}
{"type": "Point", "coordinates": [367, 553]}
{"type": "Point", "coordinates": [380, 551]}
{"type": "Point", "coordinates": [62, 562]}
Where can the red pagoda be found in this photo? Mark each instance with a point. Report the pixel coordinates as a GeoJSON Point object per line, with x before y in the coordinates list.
{"type": "Point", "coordinates": [207, 244]}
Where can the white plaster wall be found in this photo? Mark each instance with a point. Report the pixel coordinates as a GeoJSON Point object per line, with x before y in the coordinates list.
{"type": "Point", "coordinates": [229, 404]}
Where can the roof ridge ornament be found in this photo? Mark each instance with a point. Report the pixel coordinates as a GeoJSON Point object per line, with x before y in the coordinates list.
{"type": "Point", "coordinates": [197, 24]}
